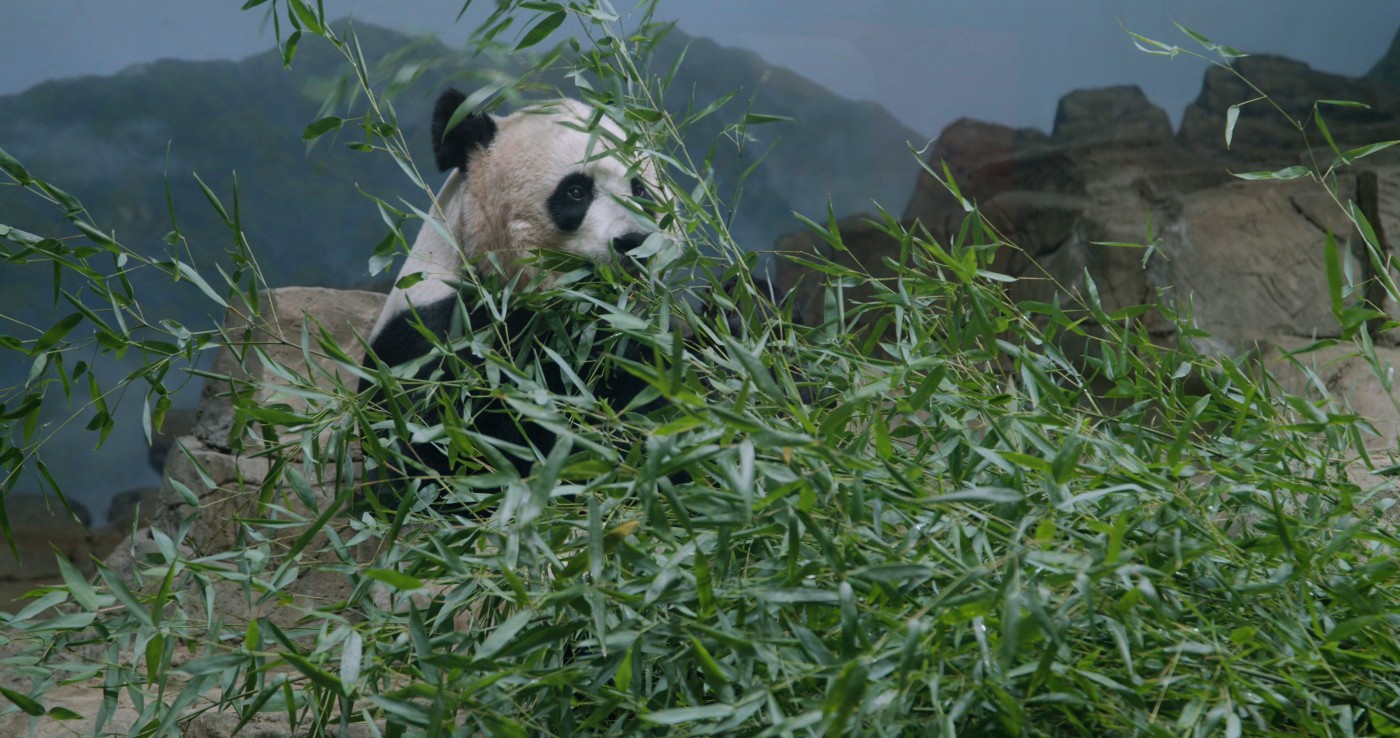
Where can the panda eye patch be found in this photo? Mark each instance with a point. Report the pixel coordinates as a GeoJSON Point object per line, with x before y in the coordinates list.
{"type": "Point", "coordinates": [638, 189]}
{"type": "Point", "coordinates": [569, 203]}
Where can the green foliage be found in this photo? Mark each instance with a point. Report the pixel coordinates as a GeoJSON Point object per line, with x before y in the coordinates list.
{"type": "Point", "coordinates": [919, 515]}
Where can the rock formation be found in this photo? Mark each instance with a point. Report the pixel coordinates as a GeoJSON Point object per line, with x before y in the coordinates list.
{"type": "Point", "coordinates": [1247, 255]}
{"type": "Point", "coordinates": [41, 525]}
{"type": "Point", "coordinates": [1246, 258]}
{"type": "Point", "coordinates": [259, 356]}
{"type": "Point", "coordinates": [1263, 134]}
{"type": "Point", "coordinates": [231, 460]}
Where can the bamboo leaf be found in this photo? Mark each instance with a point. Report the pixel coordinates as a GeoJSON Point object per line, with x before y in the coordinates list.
{"type": "Point", "coordinates": [541, 30]}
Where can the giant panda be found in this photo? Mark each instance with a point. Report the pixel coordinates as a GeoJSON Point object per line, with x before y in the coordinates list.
{"type": "Point", "coordinates": [533, 180]}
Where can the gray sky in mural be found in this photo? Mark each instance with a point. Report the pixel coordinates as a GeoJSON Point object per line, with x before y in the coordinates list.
{"type": "Point", "coordinates": [928, 62]}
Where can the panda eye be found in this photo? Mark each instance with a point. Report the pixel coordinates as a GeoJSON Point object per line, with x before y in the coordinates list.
{"type": "Point", "coordinates": [638, 189]}
{"type": "Point", "coordinates": [571, 200]}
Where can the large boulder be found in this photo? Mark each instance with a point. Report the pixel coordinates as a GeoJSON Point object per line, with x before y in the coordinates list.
{"type": "Point", "coordinates": [1262, 134]}
{"type": "Point", "coordinates": [41, 525]}
{"type": "Point", "coordinates": [212, 480]}
{"type": "Point", "coordinates": [178, 422]}
{"type": "Point", "coordinates": [256, 350]}
{"type": "Point", "coordinates": [214, 477]}
{"type": "Point", "coordinates": [1345, 377]}
{"type": "Point", "coordinates": [1110, 116]}
{"type": "Point", "coordinates": [1250, 259]}
{"type": "Point", "coordinates": [132, 507]}
{"type": "Point", "coordinates": [984, 159]}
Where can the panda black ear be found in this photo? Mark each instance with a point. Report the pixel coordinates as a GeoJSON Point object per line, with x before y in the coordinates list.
{"type": "Point", "coordinates": [452, 148]}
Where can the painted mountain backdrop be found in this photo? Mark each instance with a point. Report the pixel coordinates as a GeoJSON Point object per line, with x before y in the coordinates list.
{"type": "Point", "coordinates": [117, 142]}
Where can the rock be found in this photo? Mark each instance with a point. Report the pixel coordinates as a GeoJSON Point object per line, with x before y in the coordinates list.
{"type": "Point", "coordinates": [984, 159]}
{"type": "Point", "coordinates": [42, 510]}
{"type": "Point", "coordinates": [1247, 257]}
{"type": "Point", "coordinates": [84, 699]}
{"type": "Point", "coordinates": [1272, 282]}
{"type": "Point", "coordinates": [1387, 70]}
{"type": "Point", "coordinates": [866, 247]}
{"type": "Point", "coordinates": [132, 508]}
{"type": "Point", "coordinates": [1348, 379]}
{"type": "Point", "coordinates": [1041, 223]}
{"type": "Point", "coordinates": [225, 476]}
{"type": "Point", "coordinates": [125, 507]}
{"type": "Point", "coordinates": [1262, 134]}
{"type": "Point", "coordinates": [1379, 190]}
{"type": "Point", "coordinates": [40, 524]}
{"type": "Point", "coordinates": [310, 586]}
{"type": "Point", "coordinates": [341, 313]}
{"type": "Point", "coordinates": [177, 423]}
{"type": "Point", "coordinates": [232, 476]}
{"type": "Point", "coordinates": [1114, 116]}
{"type": "Point", "coordinates": [1054, 200]}
{"type": "Point", "coordinates": [211, 527]}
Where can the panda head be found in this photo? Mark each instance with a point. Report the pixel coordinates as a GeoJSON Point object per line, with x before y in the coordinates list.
{"type": "Point", "coordinates": [536, 180]}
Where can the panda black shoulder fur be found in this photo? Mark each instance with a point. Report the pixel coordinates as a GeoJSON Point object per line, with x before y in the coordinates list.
{"type": "Point", "coordinates": [519, 183]}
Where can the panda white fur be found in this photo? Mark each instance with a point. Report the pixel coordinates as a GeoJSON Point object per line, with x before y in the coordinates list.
{"type": "Point", "coordinates": [532, 180]}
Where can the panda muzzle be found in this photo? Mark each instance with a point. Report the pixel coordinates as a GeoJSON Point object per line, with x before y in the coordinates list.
{"type": "Point", "coordinates": [623, 246]}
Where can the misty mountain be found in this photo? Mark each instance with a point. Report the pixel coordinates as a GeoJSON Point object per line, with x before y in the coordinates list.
{"type": "Point", "coordinates": [112, 141]}
{"type": "Point", "coordinates": [117, 143]}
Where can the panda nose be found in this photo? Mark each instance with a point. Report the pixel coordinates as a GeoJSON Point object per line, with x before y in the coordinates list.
{"type": "Point", "coordinates": [623, 245]}
{"type": "Point", "coordinates": [627, 243]}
